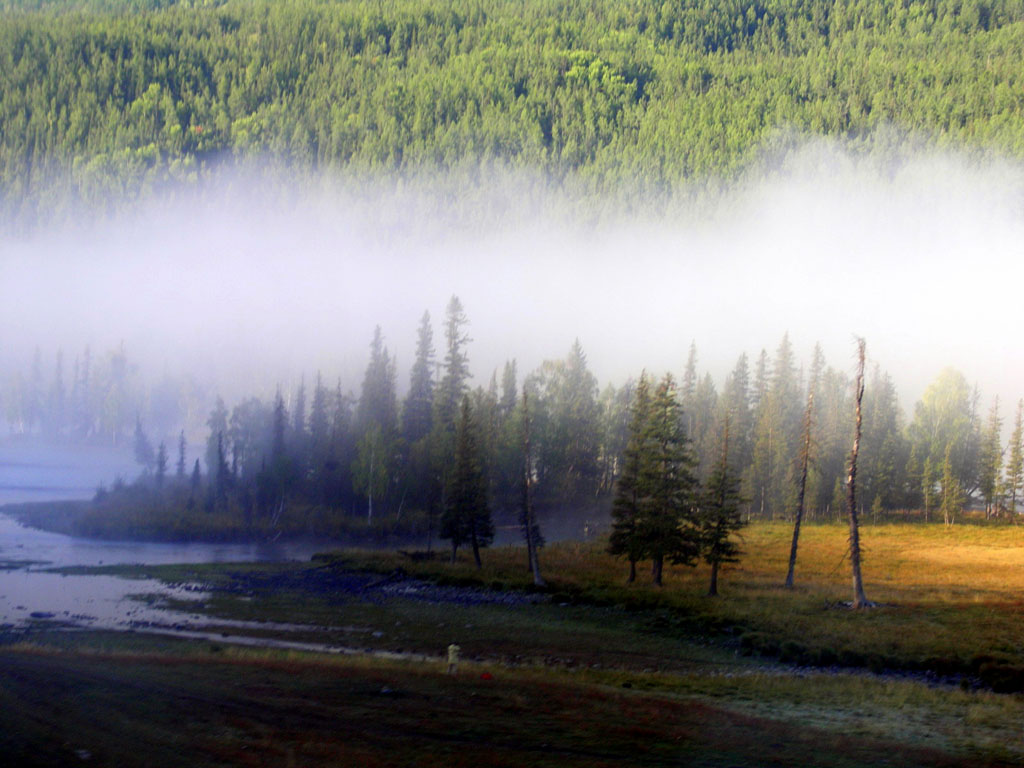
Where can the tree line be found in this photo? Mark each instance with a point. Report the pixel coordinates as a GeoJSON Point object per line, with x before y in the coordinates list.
{"type": "Point", "coordinates": [101, 100]}
{"type": "Point", "coordinates": [554, 453]}
{"type": "Point", "coordinates": [96, 399]}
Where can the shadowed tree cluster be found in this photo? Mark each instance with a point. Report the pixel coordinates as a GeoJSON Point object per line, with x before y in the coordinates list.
{"type": "Point", "coordinates": [677, 469]}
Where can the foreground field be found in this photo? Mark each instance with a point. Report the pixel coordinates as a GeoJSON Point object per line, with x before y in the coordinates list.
{"type": "Point", "coordinates": [950, 600]}
{"type": "Point", "coordinates": [162, 708]}
{"type": "Point", "coordinates": [588, 672]}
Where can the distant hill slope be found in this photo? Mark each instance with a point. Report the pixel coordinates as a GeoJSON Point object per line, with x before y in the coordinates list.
{"type": "Point", "coordinates": [103, 99]}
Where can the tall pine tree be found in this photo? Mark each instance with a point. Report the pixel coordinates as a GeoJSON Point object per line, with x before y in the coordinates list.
{"type": "Point", "coordinates": [416, 412]}
{"type": "Point", "coordinates": [666, 525]}
{"type": "Point", "coordinates": [1015, 463]}
{"type": "Point", "coordinates": [467, 516]}
{"type": "Point", "coordinates": [720, 515]}
{"type": "Point", "coordinates": [625, 539]}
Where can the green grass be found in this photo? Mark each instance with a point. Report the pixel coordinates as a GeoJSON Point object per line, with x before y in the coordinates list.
{"type": "Point", "coordinates": [602, 673]}
{"type": "Point", "coordinates": [949, 598]}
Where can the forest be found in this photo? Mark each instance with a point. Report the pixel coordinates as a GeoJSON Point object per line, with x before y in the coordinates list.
{"type": "Point", "coordinates": [105, 101]}
{"type": "Point", "coordinates": [102, 101]}
{"type": "Point", "coordinates": [131, 130]}
{"type": "Point", "coordinates": [379, 465]}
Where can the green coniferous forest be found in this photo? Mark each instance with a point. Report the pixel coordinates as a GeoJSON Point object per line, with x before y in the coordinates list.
{"type": "Point", "coordinates": [101, 100]}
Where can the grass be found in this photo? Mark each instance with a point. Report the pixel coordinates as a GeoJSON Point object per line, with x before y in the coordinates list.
{"type": "Point", "coordinates": [950, 599]}
{"type": "Point", "coordinates": [153, 706]}
{"type": "Point", "coordinates": [601, 673]}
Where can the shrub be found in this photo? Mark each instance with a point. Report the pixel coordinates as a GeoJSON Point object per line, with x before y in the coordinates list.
{"type": "Point", "coordinates": [1002, 678]}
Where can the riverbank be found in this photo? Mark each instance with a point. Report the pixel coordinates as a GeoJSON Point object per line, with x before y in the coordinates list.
{"type": "Point", "coordinates": [907, 683]}
{"type": "Point", "coordinates": [139, 514]}
{"type": "Point", "coordinates": [541, 682]}
{"type": "Point", "coordinates": [948, 599]}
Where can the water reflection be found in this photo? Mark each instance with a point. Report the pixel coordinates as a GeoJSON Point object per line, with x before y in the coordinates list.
{"type": "Point", "coordinates": [103, 601]}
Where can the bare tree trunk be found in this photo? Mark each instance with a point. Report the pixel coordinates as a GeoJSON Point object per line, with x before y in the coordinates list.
{"type": "Point", "coordinates": [369, 509]}
{"type": "Point", "coordinates": [430, 528]}
{"type": "Point", "coordinates": [528, 520]}
{"type": "Point", "coordinates": [657, 565]}
{"type": "Point", "coordinates": [632, 571]}
{"type": "Point", "coordinates": [476, 552]}
{"type": "Point", "coordinates": [713, 589]}
{"type": "Point", "coordinates": [860, 600]}
{"type": "Point", "coordinates": [805, 456]}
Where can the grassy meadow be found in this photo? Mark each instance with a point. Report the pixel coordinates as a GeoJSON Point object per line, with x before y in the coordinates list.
{"type": "Point", "coordinates": [594, 672]}
{"type": "Point", "coordinates": [950, 599]}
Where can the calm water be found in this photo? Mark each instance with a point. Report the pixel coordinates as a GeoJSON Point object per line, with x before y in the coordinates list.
{"type": "Point", "coordinates": [103, 601]}
{"type": "Point", "coordinates": [32, 471]}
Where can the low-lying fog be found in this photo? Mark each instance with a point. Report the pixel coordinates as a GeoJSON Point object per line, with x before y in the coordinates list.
{"type": "Point", "coordinates": [254, 287]}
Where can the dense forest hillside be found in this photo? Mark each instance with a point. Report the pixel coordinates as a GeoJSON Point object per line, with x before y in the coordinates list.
{"type": "Point", "coordinates": [102, 99]}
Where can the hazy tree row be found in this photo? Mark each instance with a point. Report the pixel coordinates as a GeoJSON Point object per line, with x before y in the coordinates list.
{"type": "Point", "coordinates": [449, 461]}
{"type": "Point", "coordinates": [96, 399]}
{"type": "Point", "coordinates": [100, 99]}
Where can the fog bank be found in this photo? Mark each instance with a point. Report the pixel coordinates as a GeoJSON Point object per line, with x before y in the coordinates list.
{"type": "Point", "coordinates": [253, 287]}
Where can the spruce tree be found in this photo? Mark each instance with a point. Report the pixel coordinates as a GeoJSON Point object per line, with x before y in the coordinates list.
{"type": "Point", "coordinates": [448, 395]}
{"type": "Point", "coordinates": [378, 403]}
{"type": "Point", "coordinates": [282, 468]}
{"type": "Point", "coordinates": [666, 525]}
{"type": "Point", "coordinates": [720, 515]}
{"type": "Point", "coordinates": [990, 460]}
{"type": "Point", "coordinates": [180, 468]}
{"type": "Point", "coordinates": [319, 426]}
{"type": "Point", "coordinates": [454, 384]}
{"type": "Point", "coordinates": [509, 395]}
{"type": "Point", "coordinates": [467, 516]}
{"type": "Point", "coordinates": [218, 425]}
{"type": "Point", "coordinates": [196, 485]}
{"type": "Point", "coordinates": [1015, 462]}
{"type": "Point", "coordinates": [688, 389]}
{"type": "Point", "coordinates": [161, 464]}
{"type": "Point", "coordinates": [298, 439]}
{"type": "Point", "coordinates": [624, 539]}
{"type": "Point", "coordinates": [144, 454]}
{"type": "Point", "coordinates": [416, 412]}
{"type": "Point", "coordinates": [377, 426]}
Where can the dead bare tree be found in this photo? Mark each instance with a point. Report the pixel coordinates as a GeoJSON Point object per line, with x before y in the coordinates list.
{"type": "Point", "coordinates": [531, 531]}
{"type": "Point", "coordinates": [805, 458]}
{"type": "Point", "coordinates": [860, 600]}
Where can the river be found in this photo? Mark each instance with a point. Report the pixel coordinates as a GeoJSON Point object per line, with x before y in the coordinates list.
{"type": "Point", "coordinates": [27, 586]}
